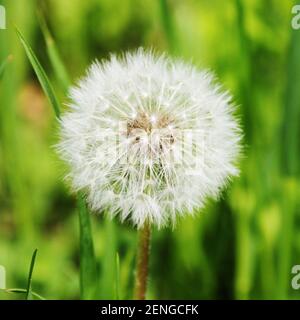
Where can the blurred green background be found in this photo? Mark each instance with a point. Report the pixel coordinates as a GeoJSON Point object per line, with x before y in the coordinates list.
{"type": "Point", "coordinates": [241, 247]}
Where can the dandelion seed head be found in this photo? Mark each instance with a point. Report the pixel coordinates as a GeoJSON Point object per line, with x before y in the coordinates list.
{"type": "Point", "coordinates": [148, 138]}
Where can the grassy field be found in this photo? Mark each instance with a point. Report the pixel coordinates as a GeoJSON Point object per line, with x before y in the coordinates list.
{"type": "Point", "coordinates": [241, 247]}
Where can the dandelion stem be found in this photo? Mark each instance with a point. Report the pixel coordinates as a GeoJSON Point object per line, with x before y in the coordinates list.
{"type": "Point", "coordinates": [142, 262]}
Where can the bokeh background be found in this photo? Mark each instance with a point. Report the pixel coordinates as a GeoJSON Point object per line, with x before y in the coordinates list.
{"type": "Point", "coordinates": [241, 247]}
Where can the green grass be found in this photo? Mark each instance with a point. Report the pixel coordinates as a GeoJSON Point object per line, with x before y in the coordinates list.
{"type": "Point", "coordinates": [290, 163]}
{"type": "Point", "coordinates": [41, 74]}
{"type": "Point", "coordinates": [28, 292]}
{"type": "Point", "coordinates": [88, 273]}
{"type": "Point", "coordinates": [88, 267]}
{"type": "Point", "coordinates": [28, 295]}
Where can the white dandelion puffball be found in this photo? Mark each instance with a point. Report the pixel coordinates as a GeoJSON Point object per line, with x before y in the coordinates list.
{"type": "Point", "coordinates": [148, 138]}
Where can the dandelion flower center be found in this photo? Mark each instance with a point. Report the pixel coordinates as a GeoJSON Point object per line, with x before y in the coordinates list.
{"type": "Point", "coordinates": [156, 127]}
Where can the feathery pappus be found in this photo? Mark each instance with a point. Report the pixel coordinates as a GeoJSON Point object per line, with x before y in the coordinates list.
{"type": "Point", "coordinates": [149, 138]}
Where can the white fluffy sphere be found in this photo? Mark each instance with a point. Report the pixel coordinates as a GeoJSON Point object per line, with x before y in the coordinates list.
{"type": "Point", "coordinates": [149, 138]}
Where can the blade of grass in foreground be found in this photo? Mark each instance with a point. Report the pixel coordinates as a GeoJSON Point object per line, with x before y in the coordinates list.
{"type": "Point", "coordinates": [117, 294]}
{"type": "Point", "coordinates": [28, 290]}
{"type": "Point", "coordinates": [41, 74]}
{"type": "Point", "coordinates": [88, 267]}
{"type": "Point", "coordinates": [18, 290]}
{"type": "Point", "coordinates": [54, 56]}
{"type": "Point", "coordinates": [87, 256]}
{"type": "Point", "coordinates": [108, 263]}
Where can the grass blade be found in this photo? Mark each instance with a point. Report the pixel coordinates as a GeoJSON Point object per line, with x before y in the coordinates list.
{"type": "Point", "coordinates": [290, 163]}
{"type": "Point", "coordinates": [291, 127]}
{"type": "Point", "coordinates": [54, 56]}
{"type": "Point", "coordinates": [28, 290]}
{"type": "Point", "coordinates": [18, 290]}
{"type": "Point", "coordinates": [41, 74]}
{"type": "Point", "coordinates": [108, 274]}
{"type": "Point", "coordinates": [88, 267]}
{"type": "Point", "coordinates": [117, 295]}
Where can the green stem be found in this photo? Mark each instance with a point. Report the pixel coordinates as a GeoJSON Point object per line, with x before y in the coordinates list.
{"type": "Point", "coordinates": [142, 262]}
